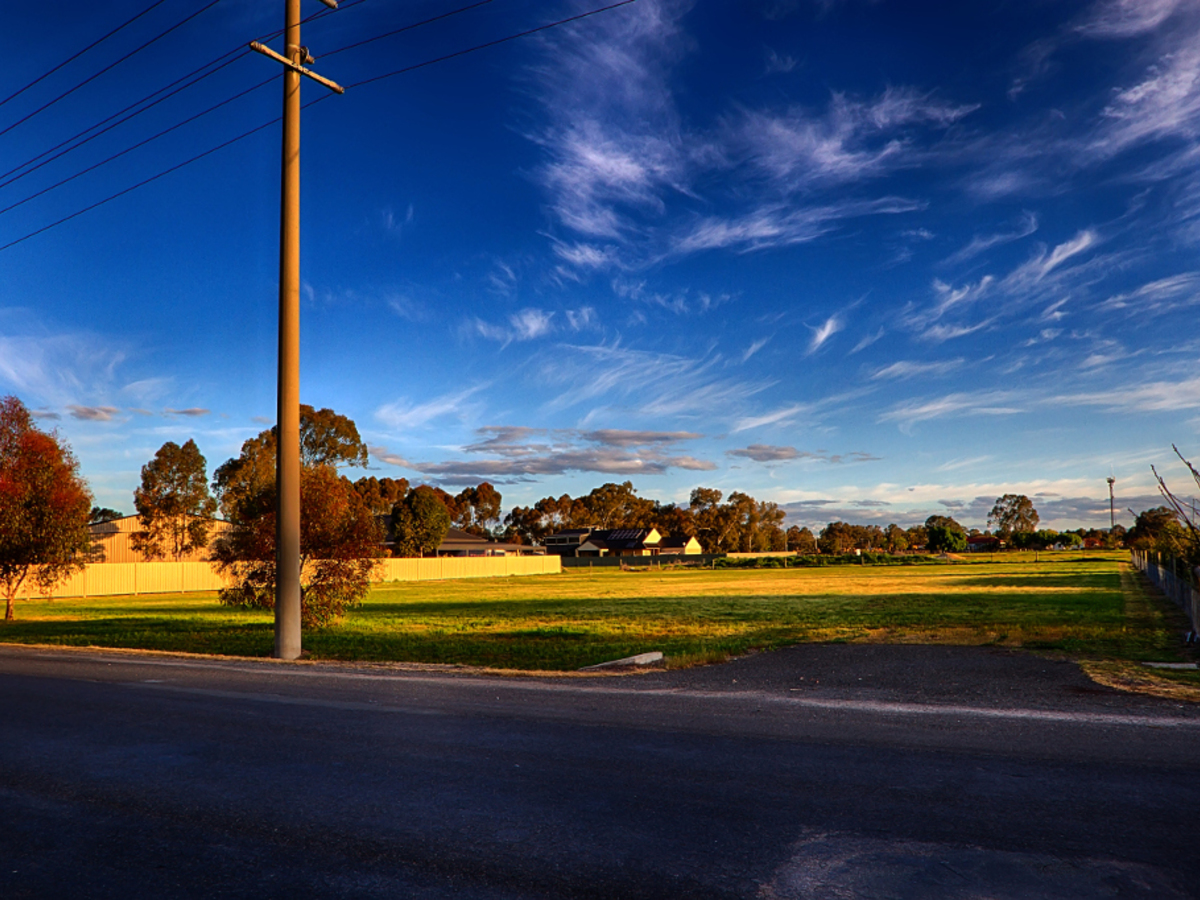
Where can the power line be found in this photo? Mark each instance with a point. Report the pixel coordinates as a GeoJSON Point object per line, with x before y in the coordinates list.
{"type": "Point", "coordinates": [71, 59]}
{"type": "Point", "coordinates": [218, 63]}
{"type": "Point", "coordinates": [277, 119]}
{"type": "Point", "coordinates": [28, 164]}
{"type": "Point", "coordinates": [142, 183]}
{"type": "Point", "coordinates": [477, 47]}
{"type": "Point", "coordinates": [142, 143]}
{"type": "Point", "coordinates": [387, 34]}
{"type": "Point", "coordinates": [110, 66]}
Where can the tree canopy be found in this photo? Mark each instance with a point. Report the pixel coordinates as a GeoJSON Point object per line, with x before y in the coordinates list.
{"type": "Point", "coordinates": [44, 506]}
{"type": "Point", "coordinates": [1013, 514]}
{"type": "Point", "coordinates": [340, 538]}
{"type": "Point", "coordinates": [419, 522]}
{"type": "Point", "coordinates": [326, 439]}
{"type": "Point", "coordinates": [340, 541]}
{"type": "Point", "coordinates": [173, 504]}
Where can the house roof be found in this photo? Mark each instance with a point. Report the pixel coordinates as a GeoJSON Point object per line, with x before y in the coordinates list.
{"type": "Point", "coordinates": [680, 541]}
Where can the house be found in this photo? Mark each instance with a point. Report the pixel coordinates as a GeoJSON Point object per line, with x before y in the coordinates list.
{"type": "Point", "coordinates": [679, 546]}
{"type": "Point", "coordinates": [566, 543]}
{"type": "Point", "coordinates": [114, 538]}
{"type": "Point", "coordinates": [983, 543]}
{"type": "Point", "coordinates": [463, 543]}
{"type": "Point", "coordinates": [621, 542]}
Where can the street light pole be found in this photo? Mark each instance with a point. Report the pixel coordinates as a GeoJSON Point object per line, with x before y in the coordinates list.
{"type": "Point", "coordinates": [287, 430]}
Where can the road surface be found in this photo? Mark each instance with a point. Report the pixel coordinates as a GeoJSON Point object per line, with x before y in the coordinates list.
{"type": "Point", "coordinates": [816, 772]}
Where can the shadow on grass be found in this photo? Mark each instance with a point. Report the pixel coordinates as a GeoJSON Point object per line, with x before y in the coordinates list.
{"type": "Point", "coordinates": [183, 635]}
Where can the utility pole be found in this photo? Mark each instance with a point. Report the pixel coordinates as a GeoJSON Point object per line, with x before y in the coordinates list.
{"type": "Point", "coordinates": [287, 436]}
{"type": "Point", "coordinates": [1112, 515]}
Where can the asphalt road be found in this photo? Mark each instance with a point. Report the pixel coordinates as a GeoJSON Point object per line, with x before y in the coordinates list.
{"type": "Point", "coordinates": [817, 772]}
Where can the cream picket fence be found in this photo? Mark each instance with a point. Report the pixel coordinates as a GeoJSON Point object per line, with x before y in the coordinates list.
{"type": "Point", "coordinates": [111, 579]}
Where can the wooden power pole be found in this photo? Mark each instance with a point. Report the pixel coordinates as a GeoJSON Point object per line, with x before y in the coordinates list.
{"type": "Point", "coordinates": [287, 437]}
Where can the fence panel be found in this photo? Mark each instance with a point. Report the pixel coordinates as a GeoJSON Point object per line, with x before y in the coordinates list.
{"type": "Point", "coordinates": [1177, 589]}
{"type": "Point", "coordinates": [109, 579]}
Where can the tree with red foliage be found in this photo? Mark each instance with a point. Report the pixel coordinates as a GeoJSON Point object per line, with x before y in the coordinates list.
{"type": "Point", "coordinates": [44, 506]}
{"type": "Point", "coordinates": [339, 545]}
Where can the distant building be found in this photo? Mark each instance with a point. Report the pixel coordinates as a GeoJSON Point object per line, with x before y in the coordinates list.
{"type": "Point", "coordinates": [681, 546]}
{"type": "Point", "coordinates": [115, 541]}
{"type": "Point", "coordinates": [983, 543]}
{"type": "Point", "coordinates": [463, 543]}
{"type": "Point", "coordinates": [566, 543]}
{"type": "Point", "coordinates": [595, 542]}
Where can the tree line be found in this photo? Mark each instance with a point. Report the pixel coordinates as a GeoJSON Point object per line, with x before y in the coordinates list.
{"type": "Point", "coordinates": [46, 509]}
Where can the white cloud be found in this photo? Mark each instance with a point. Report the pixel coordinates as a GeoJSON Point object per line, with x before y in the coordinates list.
{"type": "Point", "coordinates": [980, 243]}
{"type": "Point", "coordinates": [1159, 296]}
{"type": "Point", "coordinates": [661, 384]}
{"type": "Point", "coordinates": [386, 456]}
{"type": "Point", "coordinates": [823, 332]}
{"type": "Point", "coordinates": [1126, 18]}
{"type": "Point", "coordinates": [754, 348]}
{"type": "Point", "coordinates": [401, 414]}
{"type": "Point", "coordinates": [911, 369]}
{"type": "Point", "coordinates": [777, 417]}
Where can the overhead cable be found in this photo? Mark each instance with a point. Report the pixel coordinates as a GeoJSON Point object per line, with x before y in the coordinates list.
{"type": "Point", "coordinates": [219, 63]}
{"type": "Point", "coordinates": [72, 58]}
{"type": "Point", "coordinates": [255, 130]}
{"type": "Point", "coordinates": [107, 68]}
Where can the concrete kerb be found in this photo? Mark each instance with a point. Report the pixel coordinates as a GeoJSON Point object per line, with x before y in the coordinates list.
{"type": "Point", "coordinates": [640, 659]}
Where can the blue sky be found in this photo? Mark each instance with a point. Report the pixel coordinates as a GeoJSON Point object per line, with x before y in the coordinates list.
{"type": "Point", "coordinates": [870, 260]}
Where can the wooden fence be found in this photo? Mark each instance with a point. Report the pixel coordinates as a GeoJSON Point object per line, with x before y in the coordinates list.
{"type": "Point", "coordinates": [110, 579]}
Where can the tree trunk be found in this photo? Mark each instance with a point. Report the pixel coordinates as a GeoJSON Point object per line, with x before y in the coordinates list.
{"type": "Point", "coordinates": [9, 613]}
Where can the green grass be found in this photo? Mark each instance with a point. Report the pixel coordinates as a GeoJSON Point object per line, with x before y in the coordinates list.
{"type": "Point", "coordinates": [1072, 603]}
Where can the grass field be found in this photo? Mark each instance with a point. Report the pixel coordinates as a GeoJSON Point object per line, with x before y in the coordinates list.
{"type": "Point", "coordinates": [1086, 605]}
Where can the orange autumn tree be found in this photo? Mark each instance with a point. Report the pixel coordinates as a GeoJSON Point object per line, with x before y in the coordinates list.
{"type": "Point", "coordinates": [44, 506]}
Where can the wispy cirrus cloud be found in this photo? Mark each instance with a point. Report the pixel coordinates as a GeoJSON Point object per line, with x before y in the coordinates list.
{"type": "Point", "coordinates": [1047, 274]}
{"type": "Point", "coordinates": [663, 384]}
{"type": "Point", "coordinates": [911, 369]}
{"type": "Point", "coordinates": [980, 243]}
{"type": "Point", "coordinates": [636, 185]}
{"type": "Point", "coordinates": [1156, 297]}
{"type": "Point", "coordinates": [403, 414]}
{"type": "Point", "coordinates": [58, 369]}
{"type": "Point", "coordinates": [1125, 18]}
{"type": "Point", "coordinates": [823, 332]}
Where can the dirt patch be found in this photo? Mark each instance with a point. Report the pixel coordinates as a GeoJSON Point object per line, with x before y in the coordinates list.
{"type": "Point", "coordinates": [1137, 679]}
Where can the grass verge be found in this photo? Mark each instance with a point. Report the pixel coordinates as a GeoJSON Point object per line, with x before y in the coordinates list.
{"type": "Point", "coordinates": [1074, 604]}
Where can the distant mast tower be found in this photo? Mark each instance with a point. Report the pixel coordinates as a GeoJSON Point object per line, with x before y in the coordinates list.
{"type": "Point", "coordinates": [1112, 517]}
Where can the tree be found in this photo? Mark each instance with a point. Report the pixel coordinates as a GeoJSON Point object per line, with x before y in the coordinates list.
{"type": "Point", "coordinates": [801, 540]}
{"type": "Point", "coordinates": [476, 509]}
{"type": "Point", "coordinates": [173, 504]}
{"type": "Point", "coordinates": [1013, 514]}
{"type": "Point", "coordinates": [896, 539]}
{"type": "Point", "coordinates": [716, 523]}
{"type": "Point", "coordinates": [1157, 529]}
{"type": "Point", "coordinates": [340, 541]}
{"type": "Point", "coordinates": [945, 522]}
{"type": "Point", "coordinates": [1187, 523]}
{"type": "Point", "coordinates": [101, 514]}
{"type": "Point", "coordinates": [44, 506]}
{"type": "Point", "coordinates": [944, 539]}
{"type": "Point", "coordinates": [381, 494]}
{"type": "Point", "coordinates": [419, 522]}
{"type": "Point", "coordinates": [340, 538]}
{"type": "Point", "coordinates": [326, 439]}
{"type": "Point", "coordinates": [836, 538]}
